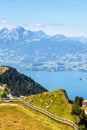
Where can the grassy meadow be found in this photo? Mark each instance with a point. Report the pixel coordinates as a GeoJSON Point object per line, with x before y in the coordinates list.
{"type": "Point", "coordinates": [18, 117]}
{"type": "Point", "coordinates": [55, 102]}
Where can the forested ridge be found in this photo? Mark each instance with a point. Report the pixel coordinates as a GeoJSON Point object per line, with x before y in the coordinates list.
{"type": "Point", "coordinates": [20, 84]}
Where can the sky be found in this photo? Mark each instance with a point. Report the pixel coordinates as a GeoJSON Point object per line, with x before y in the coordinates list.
{"type": "Point", "coordinates": [67, 17]}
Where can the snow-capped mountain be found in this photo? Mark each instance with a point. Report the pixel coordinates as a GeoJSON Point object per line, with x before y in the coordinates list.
{"type": "Point", "coordinates": [20, 34]}
{"type": "Point", "coordinates": [37, 51]}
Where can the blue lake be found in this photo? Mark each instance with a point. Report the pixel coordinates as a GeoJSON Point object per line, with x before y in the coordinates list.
{"type": "Point", "coordinates": [74, 82]}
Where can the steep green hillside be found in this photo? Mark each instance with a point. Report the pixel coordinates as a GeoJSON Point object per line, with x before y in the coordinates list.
{"type": "Point", "coordinates": [18, 83]}
{"type": "Point", "coordinates": [55, 102]}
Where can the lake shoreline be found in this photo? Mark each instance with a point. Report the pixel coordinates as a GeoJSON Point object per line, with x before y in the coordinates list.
{"type": "Point", "coordinates": [74, 82]}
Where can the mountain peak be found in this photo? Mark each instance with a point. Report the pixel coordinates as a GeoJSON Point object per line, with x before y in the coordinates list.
{"type": "Point", "coordinates": [59, 36]}
{"type": "Point", "coordinates": [4, 30]}
{"type": "Point", "coordinates": [19, 29]}
{"type": "Point", "coordinates": [41, 32]}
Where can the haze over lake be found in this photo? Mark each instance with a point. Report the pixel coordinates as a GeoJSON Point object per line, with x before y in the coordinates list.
{"type": "Point", "coordinates": [74, 82]}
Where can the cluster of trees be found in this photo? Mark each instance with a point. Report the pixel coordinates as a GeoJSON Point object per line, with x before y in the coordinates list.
{"type": "Point", "coordinates": [77, 110]}
{"type": "Point", "coordinates": [4, 95]}
{"type": "Point", "coordinates": [5, 91]}
{"type": "Point", "coordinates": [19, 84]}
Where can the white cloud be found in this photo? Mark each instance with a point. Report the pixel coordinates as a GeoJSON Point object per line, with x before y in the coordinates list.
{"type": "Point", "coordinates": [27, 25]}
{"type": "Point", "coordinates": [39, 25]}
{"type": "Point", "coordinates": [4, 22]}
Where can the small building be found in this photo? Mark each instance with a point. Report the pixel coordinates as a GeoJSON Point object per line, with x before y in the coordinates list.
{"type": "Point", "coordinates": [84, 103]}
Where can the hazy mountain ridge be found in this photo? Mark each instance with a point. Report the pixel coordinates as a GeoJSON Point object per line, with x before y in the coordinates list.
{"type": "Point", "coordinates": [27, 49]}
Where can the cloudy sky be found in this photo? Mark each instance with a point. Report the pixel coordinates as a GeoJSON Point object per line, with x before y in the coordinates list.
{"type": "Point", "coordinates": [68, 17]}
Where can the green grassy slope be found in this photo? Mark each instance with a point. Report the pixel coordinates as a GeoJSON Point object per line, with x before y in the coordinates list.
{"type": "Point", "coordinates": [55, 102]}
{"type": "Point", "coordinates": [18, 117]}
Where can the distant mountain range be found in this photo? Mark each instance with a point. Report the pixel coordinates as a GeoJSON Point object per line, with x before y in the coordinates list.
{"type": "Point", "coordinates": [32, 50]}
